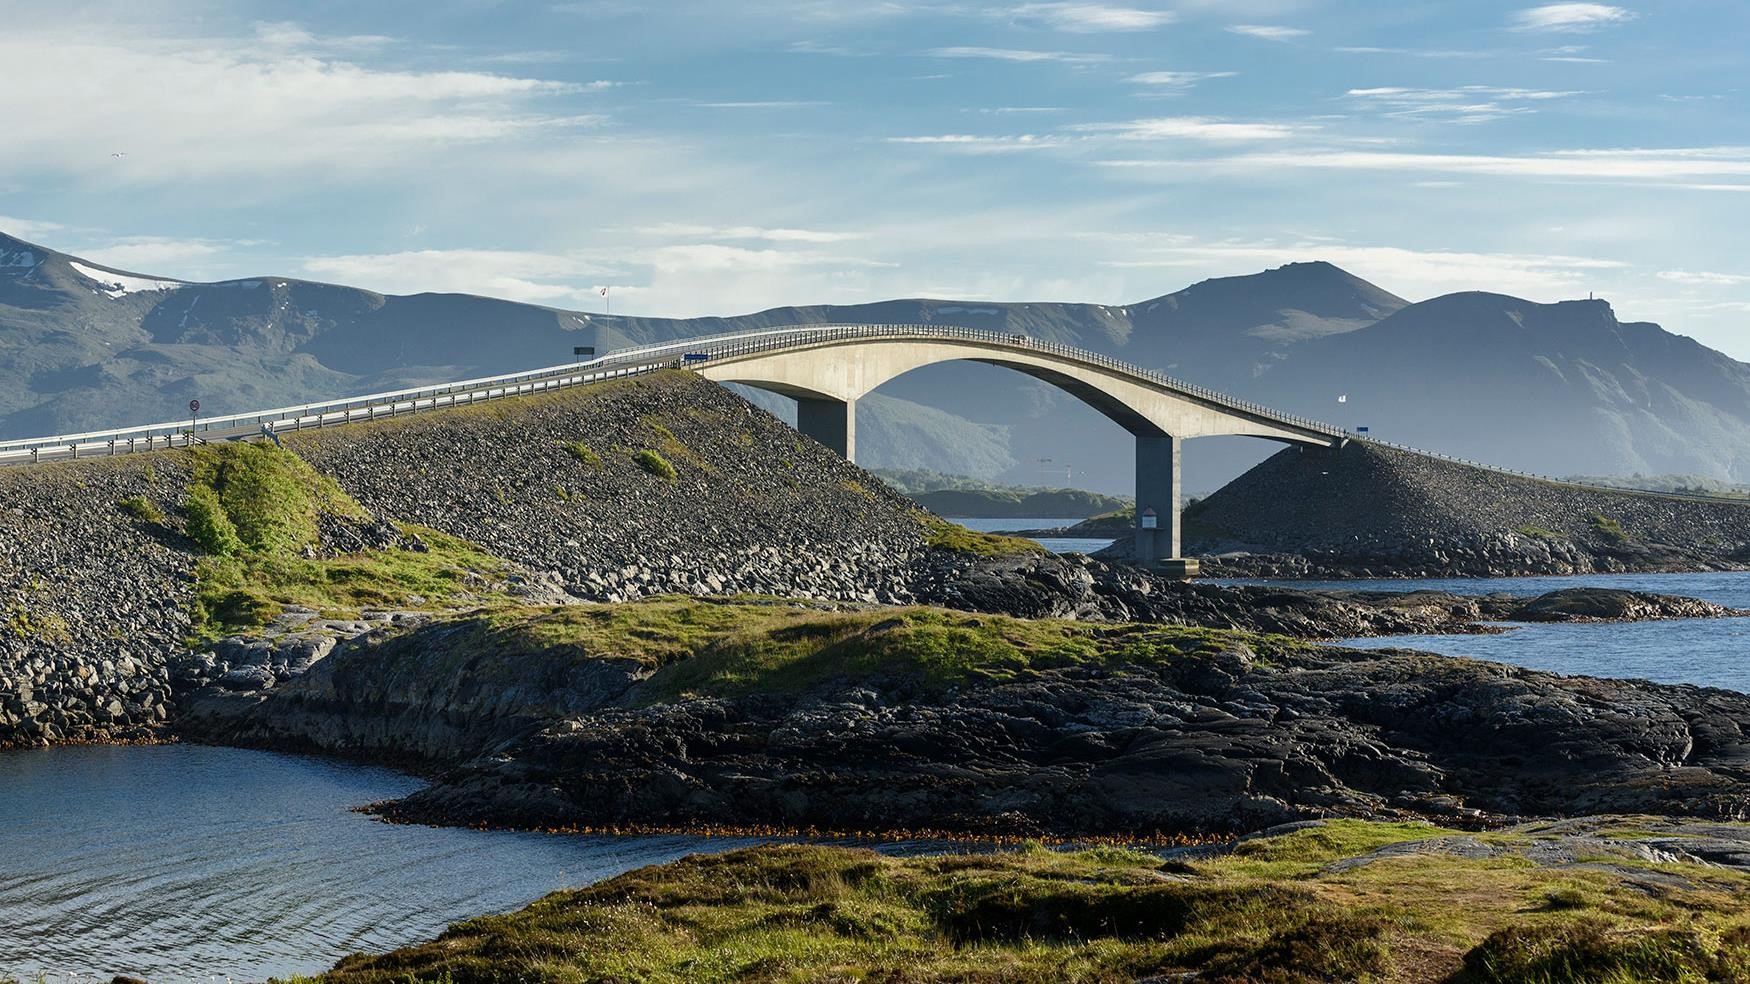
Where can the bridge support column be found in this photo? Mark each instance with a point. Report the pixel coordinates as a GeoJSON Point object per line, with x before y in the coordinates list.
{"type": "Point", "coordinates": [1157, 488]}
{"type": "Point", "coordinates": [831, 422]}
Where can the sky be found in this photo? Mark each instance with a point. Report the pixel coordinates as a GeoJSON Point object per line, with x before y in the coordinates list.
{"type": "Point", "coordinates": [718, 158]}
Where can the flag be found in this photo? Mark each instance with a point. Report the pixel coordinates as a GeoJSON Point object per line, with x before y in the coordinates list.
{"type": "Point", "coordinates": [604, 292]}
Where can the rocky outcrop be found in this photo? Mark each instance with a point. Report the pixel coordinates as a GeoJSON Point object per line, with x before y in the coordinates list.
{"type": "Point", "coordinates": [1046, 586]}
{"type": "Point", "coordinates": [1368, 510]}
{"type": "Point", "coordinates": [1206, 734]}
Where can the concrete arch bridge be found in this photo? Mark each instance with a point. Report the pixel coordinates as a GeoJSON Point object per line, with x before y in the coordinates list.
{"type": "Point", "coordinates": [827, 369]}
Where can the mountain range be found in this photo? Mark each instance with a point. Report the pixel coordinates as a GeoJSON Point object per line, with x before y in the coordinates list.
{"type": "Point", "coordinates": [1554, 388]}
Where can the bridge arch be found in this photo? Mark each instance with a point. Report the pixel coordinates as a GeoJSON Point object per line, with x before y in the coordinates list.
{"type": "Point", "coordinates": [828, 369]}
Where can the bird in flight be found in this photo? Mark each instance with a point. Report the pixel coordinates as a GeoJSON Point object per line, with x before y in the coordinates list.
{"type": "Point", "coordinates": [119, 154]}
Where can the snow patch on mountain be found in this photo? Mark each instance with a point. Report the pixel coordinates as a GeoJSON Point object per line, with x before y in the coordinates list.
{"type": "Point", "coordinates": [120, 285]}
{"type": "Point", "coordinates": [15, 259]}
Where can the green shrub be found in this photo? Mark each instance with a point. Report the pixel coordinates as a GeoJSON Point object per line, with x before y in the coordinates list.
{"type": "Point", "coordinates": [584, 453]}
{"type": "Point", "coordinates": [208, 526]}
{"type": "Point", "coordinates": [655, 464]}
{"type": "Point", "coordinates": [142, 509]}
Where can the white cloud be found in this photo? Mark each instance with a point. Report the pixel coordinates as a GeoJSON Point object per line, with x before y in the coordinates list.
{"type": "Point", "coordinates": [1628, 164]}
{"type": "Point", "coordinates": [1193, 128]}
{"type": "Point", "coordinates": [682, 231]}
{"type": "Point", "coordinates": [1019, 55]}
{"type": "Point", "coordinates": [1177, 80]}
{"type": "Point", "coordinates": [1465, 104]}
{"type": "Point", "coordinates": [1414, 52]}
{"type": "Point", "coordinates": [519, 275]}
{"type": "Point", "coordinates": [27, 228]}
{"type": "Point", "coordinates": [975, 144]}
{"type": "Point", "coordinates": [287, 34]}
{"type": "Point", "coordinates": [1091, 18]}
{"type": "Point", "coordinates": [1269, 32]}
{"type": "Point", "coordinates": [179, 109]}
{"type": "Point", "coordinates": [767, 104]}
{"type": "Point", "coordinates": [1569, 17]}
{"type": "Point", "coordinates": [155, 254]}
{"type": "Point", "coordinates": [1696, 278]}
{"type": "Point", "coordinates": [682, 279]}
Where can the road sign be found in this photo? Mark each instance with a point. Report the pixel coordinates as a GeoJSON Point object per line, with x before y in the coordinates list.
{"type": "Point", "coordinates": [194, 406]}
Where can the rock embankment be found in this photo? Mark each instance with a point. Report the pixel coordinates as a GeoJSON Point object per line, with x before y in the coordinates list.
{"type": "Point", "coordinates": [1368, 510]}
{"type": "Point", "coordinates": [844, 720]}
{"type": "Point", "coordinates": [94, 599]}
{"type": "Point", "coordinates": [555, 484]}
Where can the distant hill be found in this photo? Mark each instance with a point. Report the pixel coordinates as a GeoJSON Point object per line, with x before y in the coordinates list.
{"type": "Point", "coordinates": [1551, 388]}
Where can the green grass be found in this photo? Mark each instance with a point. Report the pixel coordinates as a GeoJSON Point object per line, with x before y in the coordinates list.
{"type": "Point", "coordinates": [1539, 533]}
{"type": "Point", "coordinates": [235, 594]}
{"type": "Point", "coordinates": [142, 509]}
{"type": "Point", "coordinates": [254, 511]}
{"type": "Point", "coordinates": [943, 535]}
{"type": "Point", "coordinates": [584, 453]}
{"type": "Point", "coordinates": [816, 913]}
{"type": "Point", "coordinates": [1607, 528]}
{"type": "Point", "coordinates": [734, 647]}
{"type": "Point", "coordinates": [654, 463]}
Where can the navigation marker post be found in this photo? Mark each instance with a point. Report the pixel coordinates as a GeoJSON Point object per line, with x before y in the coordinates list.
{"type": "Point", "coordinates": [194, 412]}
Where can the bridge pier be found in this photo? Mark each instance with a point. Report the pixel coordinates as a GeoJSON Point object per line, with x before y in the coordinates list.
{"type": "Point", "coordinates": [831, 422]}
{"type": "Point", "coordinates": [1157, 488]}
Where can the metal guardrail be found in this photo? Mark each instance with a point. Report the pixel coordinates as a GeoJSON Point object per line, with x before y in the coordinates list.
{"type": "Point", "coordinates": [633, 361]}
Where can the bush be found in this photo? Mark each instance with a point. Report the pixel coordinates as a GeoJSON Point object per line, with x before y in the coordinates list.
{"type": "Point", "coordinates": [655, 464]}
{"type": "Point", "coordinates": [142, 509]}
{"type": "Point", "coordinates": [208, 526]}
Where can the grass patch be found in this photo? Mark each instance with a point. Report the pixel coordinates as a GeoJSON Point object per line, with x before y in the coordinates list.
{"type": "Point", "coordinates": [20, 623]}
{"type": "Point", "coordinates": [1596, 949]}
{"type": "Point", "coordinates": [943, 535]}
{"type": "Point", "coordinates": [1539, 533]}
{"type": "Point", "coordinates": [1608, 528]}
{"type": "Point", "coordinates": [816, 913]}
{"type": "Point", "coordinates": [584, 453]}
{"type": "Point", "coordinates": [142, 509]}
{"type": "Point", "coordinates": [255, 510]}
{"type": "Point", "coordinates": [735, 647]}
{"type": "Point", "coordinates": [654, 463]}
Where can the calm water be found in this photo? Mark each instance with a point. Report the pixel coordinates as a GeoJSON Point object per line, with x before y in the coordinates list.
{"type": "Point", "coordinates": [1710, 652]}
{"type": "Point", "coordinates": [1055, 544]}
{"type": "Point", "coordinates": [188, 863]}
